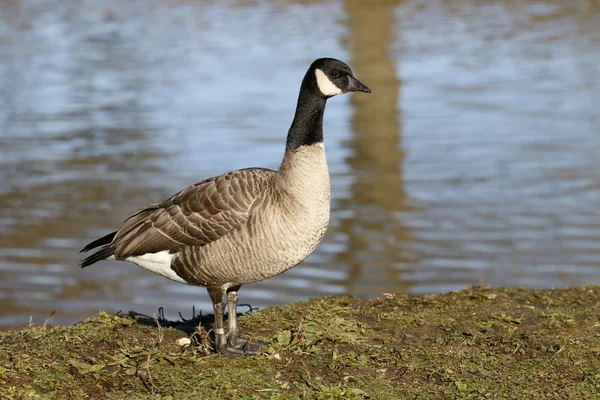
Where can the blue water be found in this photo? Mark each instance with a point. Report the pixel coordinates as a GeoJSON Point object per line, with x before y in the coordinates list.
{"type": "Point", "coordinates": [476, 158]}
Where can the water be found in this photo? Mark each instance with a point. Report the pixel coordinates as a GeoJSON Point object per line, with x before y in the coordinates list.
{"type": "Point", "coordinates": [476, 158]}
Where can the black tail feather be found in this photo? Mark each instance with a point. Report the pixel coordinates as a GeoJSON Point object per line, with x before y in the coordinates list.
{"type": "Point", "coordinates": [104, 252]}
{"type": "Point", "coordinates": [99, 242]}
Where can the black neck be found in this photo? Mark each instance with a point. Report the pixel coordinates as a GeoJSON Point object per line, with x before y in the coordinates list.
{"type": "Point", "coordinates": [307, 127]}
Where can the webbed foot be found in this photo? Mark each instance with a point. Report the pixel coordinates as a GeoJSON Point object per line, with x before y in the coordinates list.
{"type": "Point", "coordinates": [240, 347]}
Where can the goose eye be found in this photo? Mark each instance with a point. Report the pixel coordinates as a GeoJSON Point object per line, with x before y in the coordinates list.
{"type": "Point", "coordinates": [335, 74]}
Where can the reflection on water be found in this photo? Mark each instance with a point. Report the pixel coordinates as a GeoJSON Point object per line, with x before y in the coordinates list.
{"type": "Point", "coordinates": [475, 158]}
{"type": "Point", "coordinates": [377, 240]}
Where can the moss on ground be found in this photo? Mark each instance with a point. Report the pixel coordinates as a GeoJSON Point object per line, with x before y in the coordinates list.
{"type": "Point", "coordinates": [477, 343]}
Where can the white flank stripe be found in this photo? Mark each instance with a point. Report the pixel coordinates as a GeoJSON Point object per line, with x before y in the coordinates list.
{"type": "Point", "coordinates": [326, 87]}
{"type": "Point", "coordinates": [159, 263]}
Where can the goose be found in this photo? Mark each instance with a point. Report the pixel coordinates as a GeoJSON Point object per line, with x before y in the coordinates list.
{"type": "Point", "coordinates": [243, 226]}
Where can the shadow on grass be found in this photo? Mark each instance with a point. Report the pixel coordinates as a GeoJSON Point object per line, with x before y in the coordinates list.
{"type": "Point", "coordinates": [187, 326]}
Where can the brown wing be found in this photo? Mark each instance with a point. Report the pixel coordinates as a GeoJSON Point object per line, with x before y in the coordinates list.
{"type": "Point", "coordinates": [197, 215]}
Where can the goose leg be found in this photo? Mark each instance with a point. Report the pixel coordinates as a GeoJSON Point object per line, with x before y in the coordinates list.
{"type": "Point", "coordinates": [233, 332]}
{"type": "Point", "coordinates": [230, 344]}
{"type": "Point", "coordinates": [235, 344]}
{"type": "Point", "coordinates": [216, 295]}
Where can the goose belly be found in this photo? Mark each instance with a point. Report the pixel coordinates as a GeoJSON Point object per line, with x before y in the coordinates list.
{"type": "Point", "coordinates": [264, 248]}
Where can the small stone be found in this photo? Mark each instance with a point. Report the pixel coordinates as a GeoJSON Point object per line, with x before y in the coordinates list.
{"type": "Point", "coordinates": [183, 342]}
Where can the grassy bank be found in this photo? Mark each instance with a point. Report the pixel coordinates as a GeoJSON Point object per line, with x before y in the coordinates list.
{"type": "Point", "coordinates": [478, 343]}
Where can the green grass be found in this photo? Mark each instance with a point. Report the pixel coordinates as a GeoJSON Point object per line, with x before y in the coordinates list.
{"type": "Point", "coordinates": [478, 343]}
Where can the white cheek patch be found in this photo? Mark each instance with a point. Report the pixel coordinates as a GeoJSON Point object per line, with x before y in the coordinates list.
{"type": "Point", "coordinates": [326, 87]}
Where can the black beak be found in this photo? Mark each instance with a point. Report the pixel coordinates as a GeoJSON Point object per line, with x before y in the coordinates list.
{"type": "Point", "coordinates": [356, 86]}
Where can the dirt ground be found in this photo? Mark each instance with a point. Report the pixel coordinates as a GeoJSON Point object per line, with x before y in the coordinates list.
{"type": "Point", "coordinates": [477, 343]}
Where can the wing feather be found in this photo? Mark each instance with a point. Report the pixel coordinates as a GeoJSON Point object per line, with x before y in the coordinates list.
{"type": "Point", "coordinates": [197, 215]}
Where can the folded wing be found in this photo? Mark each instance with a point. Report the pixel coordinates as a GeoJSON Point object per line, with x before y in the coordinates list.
{"type": "Point", "coordinates": [195, 216]}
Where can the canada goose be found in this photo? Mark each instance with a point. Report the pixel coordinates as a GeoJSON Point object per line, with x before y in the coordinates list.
{"type": "Point", "coordinates": [246, 225]}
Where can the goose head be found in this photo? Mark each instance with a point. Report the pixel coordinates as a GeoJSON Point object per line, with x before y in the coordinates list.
{"type": "Point", "coordinates": [333, 77]}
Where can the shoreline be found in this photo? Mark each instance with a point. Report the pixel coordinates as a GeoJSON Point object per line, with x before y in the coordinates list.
{"type": "Point", "coordinates": [477, 343]}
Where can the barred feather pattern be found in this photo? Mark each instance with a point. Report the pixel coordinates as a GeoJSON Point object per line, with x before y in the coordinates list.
{"type": "Point", "coordinates": [240, 227]}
